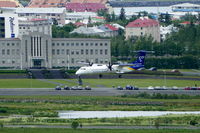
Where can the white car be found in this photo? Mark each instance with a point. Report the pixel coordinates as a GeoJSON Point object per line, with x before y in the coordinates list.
{"type": "Point", "coordinates": [150, 88]}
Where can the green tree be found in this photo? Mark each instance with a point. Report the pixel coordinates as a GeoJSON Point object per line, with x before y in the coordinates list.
{"type": "Point", "coordinates": [122, 14]}
{"type": "Point", "coordinates": [157, 123]}
{"type": "Point", "coordinates": [75, 124]}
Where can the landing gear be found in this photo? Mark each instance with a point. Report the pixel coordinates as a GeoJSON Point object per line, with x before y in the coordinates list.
{"type": "Point", "coordinates": [80, 82]}
{"type": "Point", "coordinates": [119, 76]}
{"type": "Point", "coordinates": [100, 76]}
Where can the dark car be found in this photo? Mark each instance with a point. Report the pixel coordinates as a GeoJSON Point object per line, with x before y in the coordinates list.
{"type": "Point", "coordinates": [66, 88]}
{"type": "Point", "coordinates": [194, 88]}
{"type": "Point", "coordinates": [87, 88]}
{"type": "Point", "coordinates": [58, 88]}
{"type": "Point", "coordinates": [135, 88]}
{"type": "Point", "coordinates": [119, 88]}
{"type": "Point", "coordinates": [129, 87]}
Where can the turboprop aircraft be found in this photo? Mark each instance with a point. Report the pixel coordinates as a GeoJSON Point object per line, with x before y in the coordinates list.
{"type": "Point", "coordinates": [114, 68]}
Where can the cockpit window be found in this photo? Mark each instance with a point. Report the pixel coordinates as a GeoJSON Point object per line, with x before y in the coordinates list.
{"type": "Point", "coordinates": [83, 69]}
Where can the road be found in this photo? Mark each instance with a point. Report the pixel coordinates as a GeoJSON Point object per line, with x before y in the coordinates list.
{"type": "Point", "coordinates": [93, 92]}
{"type": "Point", "coordinates": [104, 127]}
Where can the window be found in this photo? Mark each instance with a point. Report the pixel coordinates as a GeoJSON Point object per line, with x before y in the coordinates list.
{"type": "Point", "coordinates": [67, 44]}
{"type": "Point", "coordinates": [72, 60]}
{"type": "Point", "coordinates": [58, 44]}
{"type": "Point", "coordinates": [67, 51]}
{"type": "Point", "coordinates": [3, 62]}
{"type": "Point", "coordinates": [106, 44]}
{"type": "Point", "coordinates": [96, 44]}
{"type": "Point", "coordinates": [63, 52]}
{"type": "Point", "coordinates": [8, 44]}
{"type": "Point", "coordinates": [101, 51]}
{"type": "Point", "coordinates": [141, 33]}
{"type": "Point", "coordinates": [77, 52]}
{"type": "Point", "coordinates": [58, 51]}
{"type": "Point", "coordinates": [72, 53]}
{"type": "Point", "coordinates": [86, 44]}
{"type": "Point", "coordinates": [82, 44]}
{"type": "Point", "coordinates": [13, 44]}
{"type": "Point", "coordinates": [13, 62]}
{"type": "Point", "coordinates": [86, 51]}
{"type": "Point", "coordinates": [141, 28]}
{"type": "Point", "coordinates": [96, 60]}
{"type": "Point", "coordinates": [17, 51]}
{"type": "Point", "coordinates": [101, 44]}
{"type": "Point", "coordinates": [63, 62]}
{"type": "Point", "coordinates": [77, 44]}
{"type": "Point", "coordinates": [72, 44]}
{"type": "Point", "coordinates": [8, 51]}
{"type": "Point", "coordinates": [3, 51]}
{"type": "Point", "coordinates": [53, 51]}
{"type": "Point", "coordinates": [63, 44]}
{"type": "Point", "coordinates": [91, 44]}
{"type": "Point", "coordinates": [96, 51]}
{"type": "Point", "coordinates": [53, 44]}
{"type": "Point", "coordinates": [82, 51]}
{"type": "Point", "coordinates": [91, 51]}
{"type": "Point", "coordinates": [106, 51]}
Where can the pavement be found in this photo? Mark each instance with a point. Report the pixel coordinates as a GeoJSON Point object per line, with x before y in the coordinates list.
{"type": "Point", "coordinates": [103, 127]}
{"type": "Point", "coordinates": [94, 92]}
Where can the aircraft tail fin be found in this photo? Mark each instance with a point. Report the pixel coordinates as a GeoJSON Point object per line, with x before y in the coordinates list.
{"type": "Point", "coordinates": [140, 57]}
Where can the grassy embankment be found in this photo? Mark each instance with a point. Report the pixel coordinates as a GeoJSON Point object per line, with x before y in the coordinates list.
{"type": "Point", "coordinates": [135, 82]}
{"type": "Point", "coordinates": [49, 130]}
{"type": "Point", "coordinates": [34, 83]}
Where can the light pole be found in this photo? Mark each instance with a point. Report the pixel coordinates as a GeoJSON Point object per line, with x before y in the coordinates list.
{"type": "Point", "coordinates": [165, 82]}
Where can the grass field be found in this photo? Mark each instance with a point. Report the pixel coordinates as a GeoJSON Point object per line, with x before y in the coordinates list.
{"type": "Point", "coordinates": [135, 82]}
{"type": "Point", "coordinates": [49, 130]}
{"type": "Point", "coordinates": [24, 83]}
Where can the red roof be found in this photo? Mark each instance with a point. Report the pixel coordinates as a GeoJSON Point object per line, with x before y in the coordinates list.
{"type": "Point", "coordinates": [111, 27]}
{"type": "Point", "coordinates": [79, 24]}
{"type": "Point", "coordinates": [143, 22]}
{"type": "Point", "coordinates": [38, 19]}
{"type": "Point", "coordinates": [7, 4]}
{"type": "Point", "coordinates": [186, 22]}
{"type": "Point", "coordinates": [82, 7]}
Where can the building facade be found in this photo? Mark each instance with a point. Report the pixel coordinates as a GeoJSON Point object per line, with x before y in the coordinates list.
{"type": "Point", "coordinates": [38, 50]}
{"type": "Point", "coordinates": [8, 25]}
{"type": "Point", "coordinates": [143, 27]}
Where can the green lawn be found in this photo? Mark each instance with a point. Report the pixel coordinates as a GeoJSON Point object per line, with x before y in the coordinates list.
{"type": "Point", "coordinates": [24, 83]}
{"type": "Point", "coordinates": [49, 130]}
{"type": "Point", "coordinates": [135, 82]}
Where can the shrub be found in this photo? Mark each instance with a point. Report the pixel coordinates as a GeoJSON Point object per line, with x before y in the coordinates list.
{"type": "Point", "coordinates": [193, 122]}
{"type": "Point", "coordinates": [75, 125]}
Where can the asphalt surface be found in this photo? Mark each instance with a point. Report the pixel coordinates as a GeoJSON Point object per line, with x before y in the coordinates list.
{"type": "Point", "coordinates": [104, 127]}
{"type": "Point", "coordinates": [93, 92]}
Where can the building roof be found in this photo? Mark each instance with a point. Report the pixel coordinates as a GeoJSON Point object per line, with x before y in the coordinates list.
{"type": "Point", "coordinates": [40, 10]}
{"type": "Point", "coordinates": [47, 3]}
{"type": "Point", "coordinates": [8, 4]}
{"type": "Point", "coordinates": [78, 24]}
{"type": "Point", "coordinates": [82, 7]}
{"type": "Point", "coordinates": [142, 22]}
{"type": "Point", "coordinates": [111, 27]}
{"type": "Point", "coordinates": [89, 1]}
{"type": "Point", "coordinates": [186, 5]}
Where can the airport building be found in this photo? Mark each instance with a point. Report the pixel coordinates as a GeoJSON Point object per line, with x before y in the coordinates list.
{"type": "Point", "coordinates": [37, 50]}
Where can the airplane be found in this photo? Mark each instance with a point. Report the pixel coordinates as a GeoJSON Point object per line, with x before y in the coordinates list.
{"type": "Point", "coordinates": [113, 68]}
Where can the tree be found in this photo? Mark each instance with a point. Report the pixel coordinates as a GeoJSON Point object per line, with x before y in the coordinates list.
{"type": "Point", "coordinates": [75, 125]}
{"type": "Point", "coordinates": [193, 122]}
{"type": "Point", "coordinates": [157, 123]}
{"type": "Point", "coordinates": [113, 16]}
{"type": "Point", "coordinates": [122, 14]}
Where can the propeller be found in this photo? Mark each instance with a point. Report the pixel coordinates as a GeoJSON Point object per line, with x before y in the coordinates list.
{"type": "Point", "coordinates": [109, 66]}
{"type": "Point", "coordinates": [86, 63]}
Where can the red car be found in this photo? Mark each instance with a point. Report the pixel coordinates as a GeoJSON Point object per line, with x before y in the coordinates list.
{"type": "Point", "coordinates": [187, 88]}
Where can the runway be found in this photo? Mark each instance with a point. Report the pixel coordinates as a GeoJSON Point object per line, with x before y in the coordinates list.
{"type": "Point", "coordinates": [93, 92]}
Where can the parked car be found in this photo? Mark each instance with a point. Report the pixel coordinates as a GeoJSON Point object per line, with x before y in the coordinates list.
{"type": "Point", "coordinates": [153, 69]}
{"type": "Point", "coordinates": [66, 88]}
{"type": "Point", "coordinates": [58, 88]}
{"type": "Point", "coordinates": [150, 88]}
{"type": "Point", "coordinates": [79, 88]}
{"type": "Point", "coordinates": [129, 87]}
{"type": "Point", "coordinates": [135, 88]}
{"type": "Point", "coordinates": [175, 71]}
{"type": "Point", "coordinates": [193, 88]}
{"type": "Point", "coordinates": [119, 88]}
{"type": "Point", "coordinates": [87, 88]}
{"type": "Point", "coordinates": [187, 88]}
{"type": "Point", "coordinates": [74, 88]}
{"type": "Point", "coordinates": [174, 88]}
